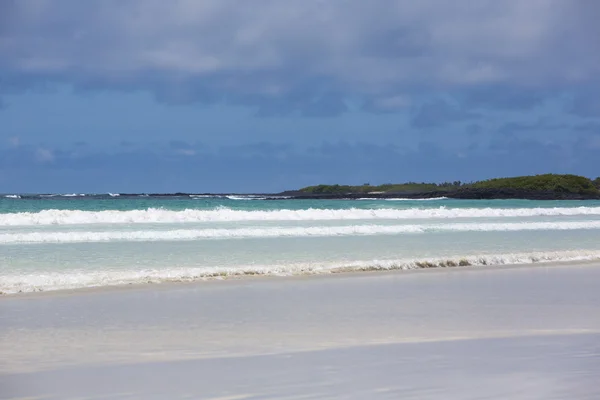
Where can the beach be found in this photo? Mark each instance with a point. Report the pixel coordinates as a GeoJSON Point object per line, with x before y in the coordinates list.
{"type": "Point", "coordinates": [241, 297]}
{"type": "Point", "coordinates": [301, 200]}
{"type": "Point", "coordinates": [522, 332]}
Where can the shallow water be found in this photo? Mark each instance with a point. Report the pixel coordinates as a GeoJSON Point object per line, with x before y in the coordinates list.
{"type": "Point", "coordinates": [65, 242]}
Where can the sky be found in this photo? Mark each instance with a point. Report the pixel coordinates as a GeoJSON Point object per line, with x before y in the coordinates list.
{"type": "Point", "coordinates": [268, 95]}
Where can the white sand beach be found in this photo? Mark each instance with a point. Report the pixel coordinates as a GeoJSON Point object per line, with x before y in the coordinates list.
{"type": "Point", "coordinates": [294, 200]}
{"type": "Point", "coordinates": [463, 333]}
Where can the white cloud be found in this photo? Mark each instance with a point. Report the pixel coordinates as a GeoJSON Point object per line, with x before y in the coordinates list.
{"type": "Point", "coordinates": [43, 155]}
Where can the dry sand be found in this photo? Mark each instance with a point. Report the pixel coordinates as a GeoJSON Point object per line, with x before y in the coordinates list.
{"type": "Point", "coordinates": [470, 333]}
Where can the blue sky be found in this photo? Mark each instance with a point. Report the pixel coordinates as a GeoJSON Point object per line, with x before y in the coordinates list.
{"type": "Point", "coordinates": [223, 95]}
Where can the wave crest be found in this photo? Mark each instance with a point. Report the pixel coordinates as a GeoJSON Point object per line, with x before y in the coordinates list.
{"type": "Point", "coordinates": [10, 284]}
{"type": "Point", "coordinates": [224, 214]}
{"type": "Point", "coordinates": [277, 232]}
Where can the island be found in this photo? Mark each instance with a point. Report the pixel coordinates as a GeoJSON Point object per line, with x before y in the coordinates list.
{"type": "Point", "coordinates": [533, 187]}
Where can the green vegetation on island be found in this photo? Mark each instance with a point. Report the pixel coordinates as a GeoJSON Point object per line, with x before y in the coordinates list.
{"type": "Point", "coordinates": [385, 188]}
{"type": "Point", "coordinates": [542, 183]}
{"type": "Point", "coordinates": [556, 183]}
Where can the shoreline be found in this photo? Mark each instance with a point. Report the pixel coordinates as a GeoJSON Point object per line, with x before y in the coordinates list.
{"type": "Point", "coordinates": [454, 194]}
{"type": "Point", "coordinates": [528, 330]}
{"type": "Point", "coordinates": [249, 279]}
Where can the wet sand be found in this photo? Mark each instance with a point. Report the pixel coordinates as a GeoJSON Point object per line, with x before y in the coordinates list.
{"type": "Point", "coordinates": [488, 332]}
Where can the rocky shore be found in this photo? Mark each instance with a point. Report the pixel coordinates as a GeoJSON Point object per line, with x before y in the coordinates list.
{"type": "Point", "coordinates": [462, 193]}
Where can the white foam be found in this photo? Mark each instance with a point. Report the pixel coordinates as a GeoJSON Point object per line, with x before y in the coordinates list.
{"type": "Point", "coordinates": [76, 279]}
{"type": "Point", "coordinates": [430, 199]}
{"type": "Point", "coordinates": [403, 199]}
{"type": "Point", "coordinates": [319, 231]}
{"type": "Point", "coordinates": [247, 197]}
{"type": "Point", "coordinates": [223, 214]}
{"type": "Point", "coordinates": [233, 197]}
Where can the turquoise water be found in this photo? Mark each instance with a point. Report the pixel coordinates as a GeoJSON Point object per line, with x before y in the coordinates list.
{"type": "Point", "coordinates": [124, 203]}
{"type": "Point", "coordinates": [64, 242]}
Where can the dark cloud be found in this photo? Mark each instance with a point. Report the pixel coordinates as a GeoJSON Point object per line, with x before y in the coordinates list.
{"type": "Point", "coordinates": [400, 42]}
{"type": "Point", "coordinates": [439, 113]}
{"type": "Point", "coordinates": [586, 105]}
{"type": "Point", "coordinates": [392, 103]}
{"type": "Point", "coordinates": [473, 130]}
{"type": "Point", "coordinates": [473, 146]}
{"type": "Point", "coordinates": [267, 52]}
{"type": "Point", "coordinates": [504, 97]}
{"type": "Point", "coordinates": [458, 72]}
{"type": "Point", "coordinates": [588, 127]}
{"type": "Point", "coordinates": [302, 103]}
{"type": "Point", "coordinates": [8, 8]}
{"type": "Point", "coordinates": [179, 144]}
{"type": "Point", "coordinates": [541, 125]}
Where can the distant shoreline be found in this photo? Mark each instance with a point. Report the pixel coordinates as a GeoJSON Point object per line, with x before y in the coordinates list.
{"type": "Point", "coordinates": [462, 194]}
{"type": "Point", "coordinates": [534, 187]}
{"type": "Point", "coordinates": [459, 194]}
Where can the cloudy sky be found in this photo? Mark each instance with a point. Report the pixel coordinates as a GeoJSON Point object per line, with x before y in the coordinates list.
{"type": "Point", "coordinates": [267, 95]}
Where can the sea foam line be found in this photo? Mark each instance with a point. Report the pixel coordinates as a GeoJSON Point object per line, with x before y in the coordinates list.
{"type": "Point", "coordinates": [402, 199]}
{"type": "Point", "coordinates": [222, 214]}
{"type": "Point", "coordinates": [276, 232]}
{"type": "Point", "coordinates": [78, 279]}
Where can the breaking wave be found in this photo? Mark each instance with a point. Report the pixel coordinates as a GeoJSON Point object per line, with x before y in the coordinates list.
{"type": "Point", "coordinates": [222, 214]}
{"type": "Point", "coordinates": [402, 199]}
{"type": "Point", "coordinates": [73, 195]}
{"type": "Point", "coordinates": [248, 197]}
{"type": "Point", "coordinates": [261, 232]}
{"type": "Point", "coordinates": [10, 284]}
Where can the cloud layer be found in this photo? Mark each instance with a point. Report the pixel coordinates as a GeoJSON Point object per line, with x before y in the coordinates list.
{"type": "Point", "coordinates": [272, 94]}
{"type": "Point", "coordinates": [304, 52]}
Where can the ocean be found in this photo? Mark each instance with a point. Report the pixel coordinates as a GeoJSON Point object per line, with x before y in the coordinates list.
{"type": "Point", "coordinates": [73, 241]}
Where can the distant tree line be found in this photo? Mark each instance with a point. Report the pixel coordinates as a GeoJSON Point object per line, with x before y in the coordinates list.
{"type": "Point", "coordinates": [547, 182]}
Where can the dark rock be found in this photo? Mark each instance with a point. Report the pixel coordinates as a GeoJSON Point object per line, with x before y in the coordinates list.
{"type": "Point", "coordinates": [462, 193]}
